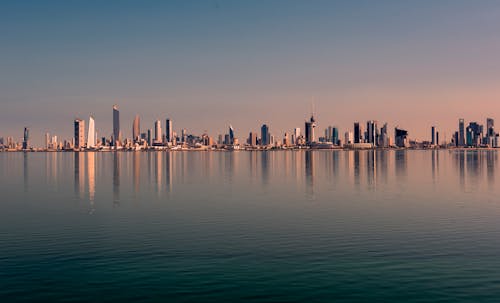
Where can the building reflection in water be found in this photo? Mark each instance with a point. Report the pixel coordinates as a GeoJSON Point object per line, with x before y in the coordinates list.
{"type": "Point", "coordinates": [491, 159]}
{"type": "Point", "coordinates": [309, 169]}
{"type": "Point", "coordinates": [382, 166]}
{"type": "Point", "coordinates": [356, 168]}
{"type": "Point", "coordinates": [136, 171]}
{"type": "Point", "coordinates": [116, 178]}
{"type": "Point", "coordinates": [371, 172]}
{"type": "Point", "coordinates": [264, 165]}
{"type": "Point", "coordinates": [158, 172]}
{"type": "Point", "coordinates": [435, 165]}
{"type": "Point", "coordinates": [169, 162]}
{"type": "Point", "coordinates": [79, 183]}
{"type": "Point", "coordinates": [401, 163]}
{"type": "Point", "coordinates": [91, 179]}
{"type": "Point", "coordinates": [25, 171]}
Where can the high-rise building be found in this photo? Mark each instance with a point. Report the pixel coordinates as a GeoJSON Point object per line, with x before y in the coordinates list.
{"type": "Point", "coordinates": [252, 139]}
{"type": "Point", "coordinates": [150, 137]}
{"type": "Point", "coordinates": [401, 137]}
{"type": "Point", "coordinates": [433, 135]}
{"type": "Point", "coordinates": [310, 126]}
{"type": "Point", "coordinates": [116, 126]}
{"type": "Point", "coordinates": [335, 136]}
{"type": "Point", "coordinates": [348, 138]}
{"type": "Point", "coordinates": [169, 130]}
{"type": "Point", "coordinates": [490, 127]}
{"type": "Point", "coordinates": [47, 141]}
{"type": "Point", "coordinates": [136, 129]}
{"type": "Point", "coordinates": [437, 138]}
{"type": "Point", "coordinates": [231, 135]}
{"type": "Point", "coordinates": [384, 136]}
{"type": "Point", "coordinates": [296, 132]}
{"type": "Point", "coordinates": [357, 133]}
{"type": "Point", "coordinates": [265, 136]}
{"type": "Point", "coordinates": [286, 140]}
{"type": "Point", "coordinates": [372, 132]}
{"type": "Point", "coordinates": [158, 132]}
{"type": "Point", "coordinates": [79, 133]}
{"type": "Point", "coordinates": [26, 138]}
{"type": "Point", "coordinates": [91, 137]}
{"type": "Point", "coordinates": [461, 132]}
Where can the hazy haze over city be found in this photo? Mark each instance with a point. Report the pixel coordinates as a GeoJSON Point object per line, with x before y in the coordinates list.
{"type": "Point", "coordinates": [208, 64]}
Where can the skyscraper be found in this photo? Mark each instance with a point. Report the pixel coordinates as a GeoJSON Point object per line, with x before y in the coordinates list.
{"type": "Point", "coordinates": [357, 133]}
{"type": "Point", "coordinates": [91, 133]}
{"type": "Point", "coordinates": [231, 135]}
{"type": "Point", "coordinates": [461, 132]}
{"type": "Point", "coordinates": [372, 132]}
{"type": "Point", "coordinates": [158, 131]}
{"type": "Point", "coordinates": [136, 129]}
{"type": "Point", "coordinates": [310, 126]}
{"type": "Point", "coordinates": [169, 130]}
{"type": "Point", "coordinates": [265, 135]}
{"type": "Point", "coordinates": [401, 137]}
{"type": "Point", "coordinates": [433, 135]}
{"type": "Point", "coordinates": [490, 127]}
{"type": "Point", "coordinates": [116, 125]}
{"type": "Point", "coordinates": [252, 139]}
{"type": "Point", "coordinates": [79, 133]}
{"type": "Point", "coordinates": [26, 138]}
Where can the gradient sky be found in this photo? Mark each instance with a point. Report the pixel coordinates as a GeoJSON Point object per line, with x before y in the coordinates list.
{"type": "Point", "coordinates": [206, 64]}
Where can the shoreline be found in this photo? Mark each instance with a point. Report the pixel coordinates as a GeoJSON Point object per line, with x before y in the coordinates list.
{"type": "Point", "coordinates": [245, 150]}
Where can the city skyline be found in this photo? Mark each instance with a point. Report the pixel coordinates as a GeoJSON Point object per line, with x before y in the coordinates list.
{"type": "Point", "coordinates": [372, 136]}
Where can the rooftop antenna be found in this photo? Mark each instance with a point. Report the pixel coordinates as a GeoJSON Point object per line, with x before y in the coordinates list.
{"type": "Point", "coordinates": [312, 106]}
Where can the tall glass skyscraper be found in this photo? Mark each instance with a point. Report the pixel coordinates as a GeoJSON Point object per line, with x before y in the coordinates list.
{"type": "Point", "coordinates": [461, 132]}
{"type": "Point", "coordinates": [79, 133]}
{"type": "Point", "coordinates": [116, 125]}
{"type": "Point", "coordinates": [169, 130]}
{"type": "Point", "coordinates": [91, 134]}
{"type": "Point", "coordinates": [264, 135]}
{"type": "Point", "coordinates": [136, 129]}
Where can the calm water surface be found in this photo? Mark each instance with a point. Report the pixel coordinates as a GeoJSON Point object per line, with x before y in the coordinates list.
{"type": "Point", "coordinates": [278, 226]}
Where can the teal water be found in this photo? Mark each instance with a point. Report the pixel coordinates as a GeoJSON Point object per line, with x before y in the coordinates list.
{"type": "Point", "coordinates": [278, 226]}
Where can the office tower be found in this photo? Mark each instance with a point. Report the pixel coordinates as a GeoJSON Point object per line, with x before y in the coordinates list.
{"type": "Point", "coordinates": [437, 138]}
{"type": "Point", "coordinates": [91, 134]}
{"type": "Point", "coordinates": [79, 133]}
{"type": "Point", "coordinates": [384, 136]}
{"type": "Point", "coordinates": [231, 135]}
{"type": "Point", "coordinates": [490, 127]}
{"type": "Point", "coordinates": [296, 132]}
{"type": "Point", "coordinates": [357, 133]}
{"type": "Point", "coordinates": [116, 125]}
{"type": "Point", "coordinates": [47, 141]}
{"type": "Point", "coordinates": [348, 138]}
{"type": "Point", "coordinates": [26, 138]}
{"type": "Point", "coordinates": [252, 139]}
{"type": "Point", "coordinates": [401, 137]}
{"type": "Point", "coordinates": [455, 137]}
{"type": "Point", "coordinates": [219, 139]}
{"type": "Point", "coordinates": [371, 132]}
{"type": "Point", "coordinates": [286, 140]}
{"type": "Point", "coordinates": [184, 135]}
{"type": "Point", "coordinates": [461, 132]}
{"type": "Point", "coordinates": [335, 136]}
{"type": "Point", "coordinates": [433, 135]}
{"type": "Point", "coordinates": [150, 137]}
{"type": "Point", "coordinates": [310, 126]}
{"type": "Point", "coordinates": [136, 129]}
{"type": "Point", "coordinates": [474, 134]}
{"type": "Point", "coordinates": [169, 130]}
{"type": "Point", "coordinates": [157, 132]}
{"type": "Point", "coordinates": [265, 136]}
{"type": "Point", "coordinates": [1, 141]}
{"type": "Point", "coordinates": [227, 139]}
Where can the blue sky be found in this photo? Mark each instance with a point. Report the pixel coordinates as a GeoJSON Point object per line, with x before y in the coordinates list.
{"type": "Point", "coordinates": [206, 64]}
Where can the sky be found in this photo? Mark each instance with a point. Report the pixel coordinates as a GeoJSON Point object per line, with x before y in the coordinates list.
{"type": "Point", "coordinates": [208, 64]}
